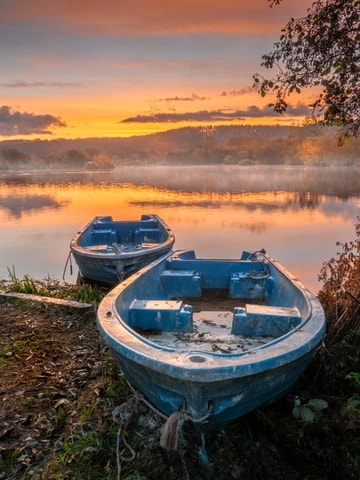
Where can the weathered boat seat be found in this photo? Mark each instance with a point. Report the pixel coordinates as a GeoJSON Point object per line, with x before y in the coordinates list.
{"type": "Point", "coordinates": [146, 234]}
{"type": "Point", "coordinates": [104, 235]}
{"type": "Point", "coordinates": [123, 226]}
{"type": "Point", "coordinates": [165, 315]}
{"type": "Point", "coordinates": [264, 320]}
{"type": "Point", "coordinates": [250, 285]}
{"type": "Point", "coordinates": [181, 283]}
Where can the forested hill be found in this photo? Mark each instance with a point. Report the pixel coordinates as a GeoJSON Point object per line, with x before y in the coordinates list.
{"type": "Point", "coordinates": [309, 144]}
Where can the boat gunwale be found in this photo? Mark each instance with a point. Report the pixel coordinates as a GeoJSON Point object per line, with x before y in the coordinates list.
{"type": "Point", "coordinates": [77, 249]}
{"type": "Point", "coordinates": [280, 351]}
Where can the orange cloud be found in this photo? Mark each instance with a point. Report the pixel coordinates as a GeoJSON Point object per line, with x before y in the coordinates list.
{"type": "Point", "coordinates": [101, 66]}
{"type": "Point", "coordinates": [160, 16]}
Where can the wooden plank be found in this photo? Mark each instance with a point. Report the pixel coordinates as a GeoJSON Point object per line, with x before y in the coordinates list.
{"type": "Point", "coordinates": [52, 300]}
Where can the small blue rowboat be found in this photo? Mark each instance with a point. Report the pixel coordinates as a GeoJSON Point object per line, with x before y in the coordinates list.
{"type": "Point", "coordinates": [211, 339]}
{"type": "Point", "coordinates": [106, 250]}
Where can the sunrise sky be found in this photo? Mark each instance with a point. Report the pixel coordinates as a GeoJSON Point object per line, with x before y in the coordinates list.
{"type": "Point", "coordinates": [86, 68]}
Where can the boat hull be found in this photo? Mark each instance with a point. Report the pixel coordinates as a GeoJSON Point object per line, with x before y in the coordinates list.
{"type": "Point", "coordinates": [212, 403]}
{"type": "Point", "coordinates": [212, 388]}
{"type": "Point", "coordinates": [106, 251]}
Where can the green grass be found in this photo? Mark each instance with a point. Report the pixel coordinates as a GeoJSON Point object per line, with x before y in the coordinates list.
{"type": "Point", "coordinates": [49, 287]}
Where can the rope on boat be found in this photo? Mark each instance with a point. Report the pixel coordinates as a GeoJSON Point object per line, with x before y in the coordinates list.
{"type": "Point", "coordinates": [172, 432]}
{"type": "Point", "coordinates": [171, 438]}
{"type": "Point", "coordinates": [68, 260]}
{"type": "Point", "coordinates": [263, 273]}
{"type": "Point", "coordinates": [203, 457]}
{"type": "Point", "coordinates": [121, 416]}
{"type": "Point", "coordinates": [141, 397]}
{"type": "Point", "coordinates": [260, 275]}
{"type": "Point", "coordinates": [253, 254]}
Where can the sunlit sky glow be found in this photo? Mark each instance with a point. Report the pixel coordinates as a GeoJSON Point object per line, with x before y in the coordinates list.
{"type": "Point", "coordinates": [84, 68]}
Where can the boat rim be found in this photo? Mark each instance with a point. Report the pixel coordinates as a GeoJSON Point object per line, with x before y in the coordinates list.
{"type": "Point", "coordinates": [292, 345]}
{"type": "Point", "coordinates": [75, 248]}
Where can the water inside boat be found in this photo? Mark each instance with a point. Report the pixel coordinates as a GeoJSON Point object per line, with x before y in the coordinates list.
{"type": "Point", "coordinates": [212, 327]}
{"type": "Point", "coordinates": [223, 306]}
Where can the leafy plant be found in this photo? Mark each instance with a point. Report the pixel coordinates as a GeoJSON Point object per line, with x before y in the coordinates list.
{"type": "Point", "coordinates": [340, 294]}
{"type": "Point", "coordinates": [354, 377]}
{"type": "Point", "coordinates": [321, 50]}
{"type": "Point", "coordinates": [309, 411]}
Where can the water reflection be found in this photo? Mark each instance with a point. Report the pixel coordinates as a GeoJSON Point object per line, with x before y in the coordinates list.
{"type": "Point", "coordinates": [297, 215]}
{"type": "Point", "coordinates": [17, 205]}
{"type": "Point", "coordinates": [266, 201]}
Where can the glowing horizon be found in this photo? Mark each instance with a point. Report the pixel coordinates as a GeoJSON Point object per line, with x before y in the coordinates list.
{"type": "Point", "coordinates": [110, 70]}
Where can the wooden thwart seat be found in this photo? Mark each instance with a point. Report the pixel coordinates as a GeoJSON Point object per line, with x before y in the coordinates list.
{"type": "Point", "coordinates": [264, 320]}
{"type": "Point", "coordinates": [164, 315]}
{"type": "Point", "coordinates": [181, 283]}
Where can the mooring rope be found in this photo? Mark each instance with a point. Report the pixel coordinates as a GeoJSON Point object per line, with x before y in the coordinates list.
{"type": "Point", "coordinates": [141, 397]}
{"type": "Point", "coordinates": [121, 416]}
{"type": "Point", "coordinates": [172, 431]}
{"type": "Point", "coordinates": [172, 435]}
{"type": "Point", "coordinates": [66, 264]}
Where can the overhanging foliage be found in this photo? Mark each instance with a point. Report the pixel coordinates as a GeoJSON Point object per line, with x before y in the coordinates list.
{"type": "Point", "coordinates": [321, 50]}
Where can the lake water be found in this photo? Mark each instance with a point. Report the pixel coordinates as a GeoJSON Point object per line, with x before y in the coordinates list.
{"type": "Point", "coordinates": [296, 213]}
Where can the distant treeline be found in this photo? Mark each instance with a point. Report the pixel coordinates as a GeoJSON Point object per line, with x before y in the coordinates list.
{"type": "Point", "coordinates": [243, 145]}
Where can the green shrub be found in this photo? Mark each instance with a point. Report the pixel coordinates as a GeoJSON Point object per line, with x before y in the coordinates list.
{"type": "Point", "coordinates": [340, 294]}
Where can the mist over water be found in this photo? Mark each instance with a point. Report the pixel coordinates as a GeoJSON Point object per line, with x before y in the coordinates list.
{"type": "Point", "coordinates": [296, 213]}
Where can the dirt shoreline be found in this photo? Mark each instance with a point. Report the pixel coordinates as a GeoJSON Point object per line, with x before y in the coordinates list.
{"type": "Point", "coordinates": [60, 391]}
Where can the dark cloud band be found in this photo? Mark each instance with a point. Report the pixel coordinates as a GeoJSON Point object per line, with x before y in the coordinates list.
{"type": "Point", "coordinates": [217, 115]}
{"type": "Point", "coordinates": [25, 123]}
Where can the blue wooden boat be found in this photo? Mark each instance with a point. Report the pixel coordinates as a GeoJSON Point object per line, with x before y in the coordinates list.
{"type": "Point", "coordinates": [106, 250]}
{"type": "Point", "coordinates": [211, 339]}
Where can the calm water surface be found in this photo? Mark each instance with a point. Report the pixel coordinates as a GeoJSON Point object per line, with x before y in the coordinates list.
{"type": "Point", "coordinates": [296, 214]}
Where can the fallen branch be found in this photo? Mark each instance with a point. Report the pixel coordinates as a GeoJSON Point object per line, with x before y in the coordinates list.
{"type": "Point", "coordinates": [55, 301]}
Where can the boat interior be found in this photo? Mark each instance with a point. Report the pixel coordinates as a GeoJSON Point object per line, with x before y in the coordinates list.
{"type": "Point", "coordinates": [213, 303]}
{"type": "Point", "coordinates": [121, 234]}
